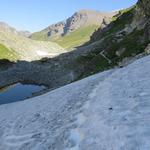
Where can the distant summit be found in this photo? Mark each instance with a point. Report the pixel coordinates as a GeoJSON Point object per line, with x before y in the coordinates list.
{"type": "Point", "coordinates": [4, 26]}
{"type": "Point", "coordinates": [81, 19]}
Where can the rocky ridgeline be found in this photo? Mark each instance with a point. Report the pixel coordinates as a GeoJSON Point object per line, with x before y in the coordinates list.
{"type": "Point", "coordinates": [138, 16]}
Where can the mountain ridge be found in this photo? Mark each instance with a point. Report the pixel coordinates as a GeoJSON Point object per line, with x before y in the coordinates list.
{"type": "Point", "coordinates": [80, 19]}
{"type": "Point", "coordinates": [91, 17]}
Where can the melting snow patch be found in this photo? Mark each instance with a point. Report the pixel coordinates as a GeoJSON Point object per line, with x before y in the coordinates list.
{"type": "Point", "coordinates": [42, 53]}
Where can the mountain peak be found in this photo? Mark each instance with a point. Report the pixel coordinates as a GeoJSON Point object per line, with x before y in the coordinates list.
{"type": "Point", "coordinates": [81, 18]}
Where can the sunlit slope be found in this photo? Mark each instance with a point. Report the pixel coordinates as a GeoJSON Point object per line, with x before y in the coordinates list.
{"type": "Point", "coordinates": [77, 37]}
{"type": "Point", "coordinates": [6, 53]}
{"type": "Point", "coordinates": [26, 48]}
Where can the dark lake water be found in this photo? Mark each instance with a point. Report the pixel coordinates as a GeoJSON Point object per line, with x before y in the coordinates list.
{"type": "Point", "coordinates": [18, 92]}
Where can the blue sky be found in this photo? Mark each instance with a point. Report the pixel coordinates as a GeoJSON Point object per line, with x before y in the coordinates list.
{"type": "Point", "coordinates": [34, 15]}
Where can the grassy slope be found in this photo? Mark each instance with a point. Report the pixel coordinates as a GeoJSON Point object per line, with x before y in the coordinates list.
{"type": "Point", "coordinates": [71, 40]}
{"type": "Point", "coordinates": [77, 37]}
{"type": "Point", "coordinates": [6, 53]}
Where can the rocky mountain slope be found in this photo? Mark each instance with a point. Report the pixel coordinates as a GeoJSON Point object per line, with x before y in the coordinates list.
{"type": "Point", "coordinates": [106, 111]}
{"type": "Point", "coordinates": [121, 40]}
{"type": "Point", "coordinates": [24, 48]}
{"type": "Point", "coordinates": [82, 21]}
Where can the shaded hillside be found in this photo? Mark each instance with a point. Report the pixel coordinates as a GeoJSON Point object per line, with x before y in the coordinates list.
{"type": "Point", "coordinates": [119, 41]}
{"type": "Point", "coordinates": [83, 22]}
{"type": "Point", "coordinates": [25, 48]}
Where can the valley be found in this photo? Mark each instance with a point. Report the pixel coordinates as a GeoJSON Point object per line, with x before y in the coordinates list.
{"type": "Point", "coordinates": [79, 84]}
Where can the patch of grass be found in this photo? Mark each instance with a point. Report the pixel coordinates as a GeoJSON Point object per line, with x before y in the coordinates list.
{"type": "Point", "coordinates": [40, 36]}
{"type": "Point", "coordinates": [6, 53]}
{"type": "Point", "coordinates": [77, 37]}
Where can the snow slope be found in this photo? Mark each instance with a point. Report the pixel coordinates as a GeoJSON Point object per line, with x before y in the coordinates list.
{"type": "Point", "coordinates": [107, 111]}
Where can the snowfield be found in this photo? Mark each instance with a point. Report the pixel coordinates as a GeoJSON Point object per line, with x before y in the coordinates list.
{"type": "Point", "coordinates": [107, 111]}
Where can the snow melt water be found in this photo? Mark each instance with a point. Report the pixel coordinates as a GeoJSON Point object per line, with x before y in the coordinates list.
{"type": "Point", "coordinates": [18, 92]}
